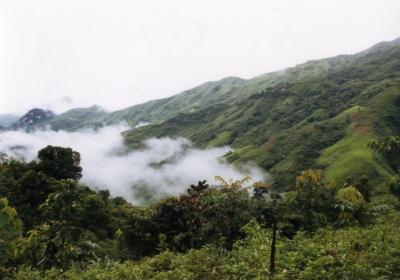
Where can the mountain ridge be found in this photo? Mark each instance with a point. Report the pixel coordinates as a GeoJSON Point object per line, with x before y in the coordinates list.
{"type": "Point", "coordinates": [282, 123]}
{"type": "Point", "coordinates": [289, 74]}
{"type": "Point", "coordinates": [319, 114]}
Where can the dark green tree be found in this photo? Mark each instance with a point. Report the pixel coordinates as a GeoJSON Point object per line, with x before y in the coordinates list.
{"type": "Point", "coordinates": [32, 190]}
{"type": "Point", "coordinates": [65, 237]}
{"type": "Point", "coordinates": [138, 235]}
{"type": "Point", "coordinates": [182, 219]}
{"type": "Point", "coordinates": [10, 229]}
{"type": "Point", "coordinates": [60, 163]}
{"type": "Point", "coordinates": [362, 185]}
{"type": "Point", "coordinates": [389, 147]}
{"type": "Point", "coordinates": [394, 186]}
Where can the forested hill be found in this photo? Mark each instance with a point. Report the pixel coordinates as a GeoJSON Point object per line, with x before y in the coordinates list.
{"type": "Point", "coordinates": [322, 113]}
{"type": "Point", "coordinates": [319, 114]}
{"type": "Point", "coordinates": [337, 118]}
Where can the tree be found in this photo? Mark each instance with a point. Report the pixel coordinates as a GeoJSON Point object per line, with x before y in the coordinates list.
{"type": "Point", "coordinates": [389, 147]}
{"type": "Point", "coordinates": [205, 215]}
{"type": "Point", "coordinates": [57, 243]}
{"type": "Point", "coordinates": [234, 208]}
{"type": "Point", "coordinates": [314, 199]}
{"type": "Point", "coordinates": [139, 233]}
{"type": "Point", "coordinates": [31, 191]}
{"type": "Point", "coordinates": [394, 186]}
{"type": "Point", "coordinates": [183, 219]}
{"type": "Point", "coordinates": [194, 211]}
{"type": "Point", "coordinates": [65, 236]}
{"type": "Point", "coordinates": [80, 206]}
{"type": "Point", "coordinates": [352, 205]}
{"type": "Point", "coordinates": [60, 163]}
{"type": "Point", "coordinates": [362, 185]}
{"type": "Point", "coordinates": [10, 229]}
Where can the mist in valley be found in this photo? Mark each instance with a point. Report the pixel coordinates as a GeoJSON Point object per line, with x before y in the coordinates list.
{"type": "Point", "coordinates": [162, 167]}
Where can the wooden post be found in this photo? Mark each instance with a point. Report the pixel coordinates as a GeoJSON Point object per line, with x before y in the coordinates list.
{"type": "Point", "coordinates": [272, 257]}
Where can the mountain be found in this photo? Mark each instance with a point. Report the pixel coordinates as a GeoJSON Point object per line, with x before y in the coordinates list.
{"type": "Point", "coordinates": [79, 118]}
{"type": "Point", "coordinates": [33, 119]}
{"type": "Point", "coordinates": [152, 111]}
{"type": "Point", "coordinates": [186, 102]}
{"type": "Point", "coordinates": [319, 114]}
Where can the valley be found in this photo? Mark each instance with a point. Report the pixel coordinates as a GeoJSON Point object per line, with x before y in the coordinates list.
{"type": "Point", "coordinates": [287, 121]}
{"type": "Point", "coordinates": [289, 175]}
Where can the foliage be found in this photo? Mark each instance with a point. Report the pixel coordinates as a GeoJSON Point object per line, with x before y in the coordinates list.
{"type": "Point", "coordinates": [56, 244]}
{"type": "Point", "coordinates": [205, 215]}
{"type": "Point", "coordinates": [389, 147]}
{"type": "Point", "coordinates": [216, 232]}
{"type": "Point", "coordinates": [394, 186]}
{"type": "Point", "coordinates": [313, 199]}
{"type": "Point", "coordinates": [10, 230]}
{"type": "Point", "coordinates": [350, 253]}
{"type": "Point", "coordinates": [60, 163]}
{"type": "Point", "coordinates": [313, 117]}
{"type": "Point", "coordinates": [351, 204]}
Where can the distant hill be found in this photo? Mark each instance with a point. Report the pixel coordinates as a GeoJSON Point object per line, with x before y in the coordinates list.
{"type": "Point", "coordinates": [79, 118]}
{"type": "Point", "coordinates": [33, 119]}
{"type": "Point", "coordinates": [319, 114]}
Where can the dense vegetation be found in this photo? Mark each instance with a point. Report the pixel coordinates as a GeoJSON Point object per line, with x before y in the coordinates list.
{"type": "Point", "coordinates": [324, 129]}
{"type": "Point", "coordinates": [52, 226]}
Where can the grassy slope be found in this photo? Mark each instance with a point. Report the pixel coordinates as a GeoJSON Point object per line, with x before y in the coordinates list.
{"type": "Point", "coordinates": [185, 102]}
{"type": "Point", "coordinates": [79, 118]}
{"type": "Point", "coordinates": [318, 114]}
{"type": "Point", "coordinates": [229, 89]}
{"type": "Point", "coordinates": [321, 114]}
{"type": "Point", "coordinates": [154, 111]}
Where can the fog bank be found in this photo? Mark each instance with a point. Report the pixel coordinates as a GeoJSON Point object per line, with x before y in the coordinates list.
{"type": "Point", "coordinates": [163, 166]}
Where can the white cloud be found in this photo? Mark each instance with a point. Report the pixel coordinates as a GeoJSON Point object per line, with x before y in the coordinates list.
{"type": "Point", "coordinates": [60, 105]}
{"type": "Point", "coordinates": [104, 167]}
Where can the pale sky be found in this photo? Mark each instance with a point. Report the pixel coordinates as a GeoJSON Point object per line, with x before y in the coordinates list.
{"type": "Point", "coordinates": [118, 53]}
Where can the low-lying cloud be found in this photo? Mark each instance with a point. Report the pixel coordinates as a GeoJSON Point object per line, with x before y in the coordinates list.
{"type": "Point", "coordinates": [163, 166]}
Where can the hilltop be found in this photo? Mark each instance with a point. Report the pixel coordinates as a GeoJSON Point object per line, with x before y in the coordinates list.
{"type": "Point", "coordinates": [328, 131]}
{"type": "Point", "coordinates": [319, 114]}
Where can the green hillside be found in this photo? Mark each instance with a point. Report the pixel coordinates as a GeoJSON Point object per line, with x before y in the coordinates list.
{"type": "Point", "coordinates": [154, 111]}
{"type": "Point", "coordinates": [329, 132]}
{"type": "Point", "coordinates": [319, 114]}
{"type": "Point", "coordinates": [79, 118]}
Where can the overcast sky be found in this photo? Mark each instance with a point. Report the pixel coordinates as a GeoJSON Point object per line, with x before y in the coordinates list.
{"type": "Point", "coordinates": [118, 53]}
